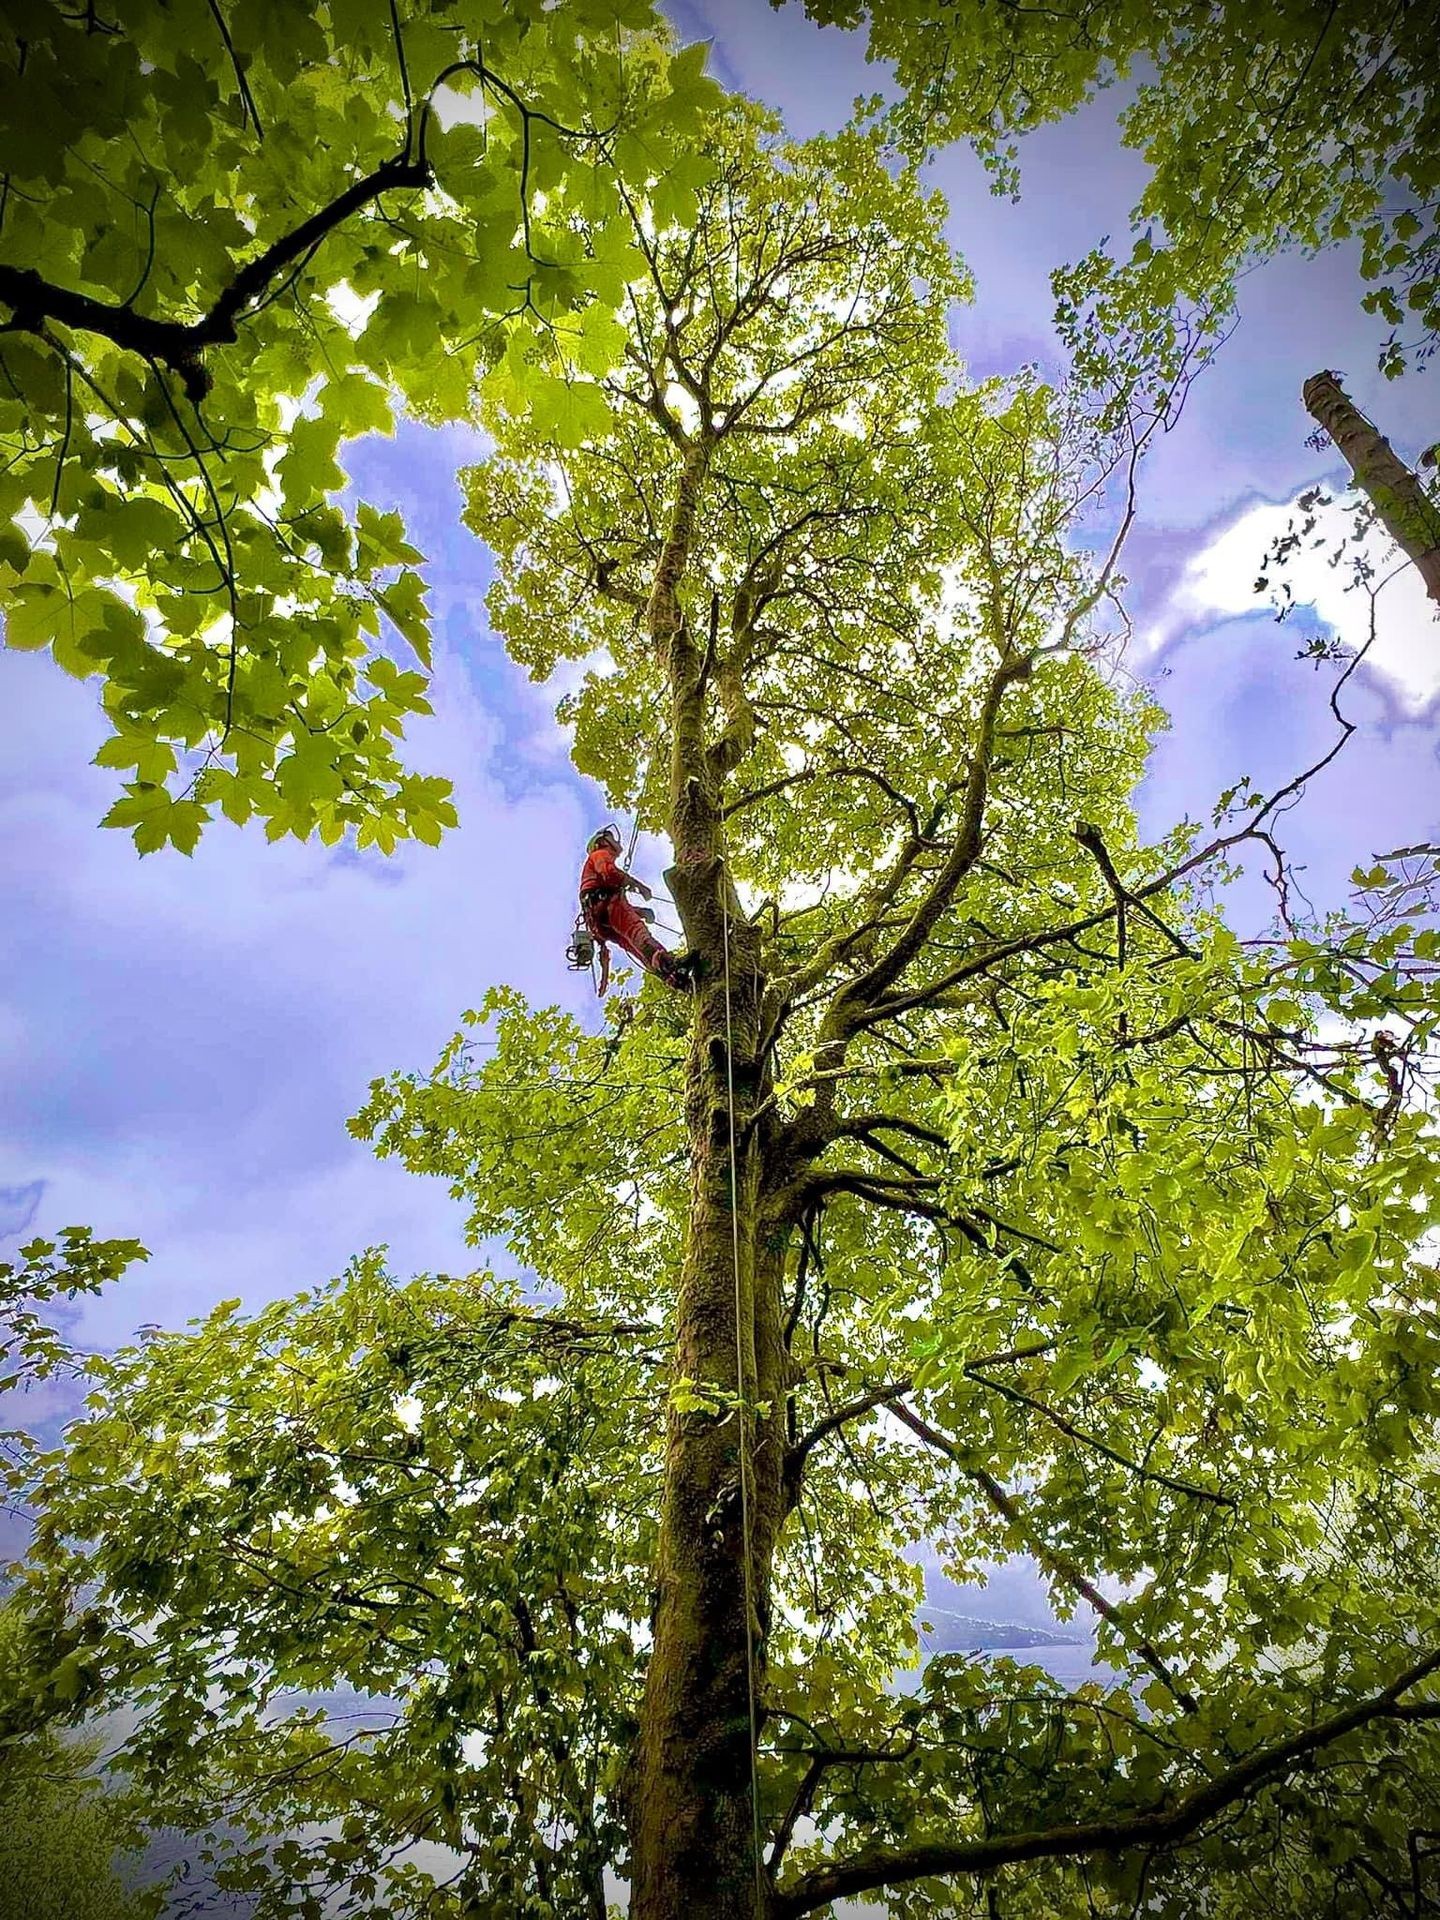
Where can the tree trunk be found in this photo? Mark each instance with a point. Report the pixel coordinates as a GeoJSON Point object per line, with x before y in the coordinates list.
{"type": "Point", "coordinates": [692, 1826]}
{"type": "Point", "coordinates": [1410, 516]}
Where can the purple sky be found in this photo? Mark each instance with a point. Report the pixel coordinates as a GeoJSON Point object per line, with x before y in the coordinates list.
{"type": "Point", "coordinates": [181, 1041]}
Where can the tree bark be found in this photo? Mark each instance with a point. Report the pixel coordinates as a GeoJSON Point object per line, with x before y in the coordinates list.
{"type": "Point", "coordinates": [1409, 515]}
{"type": "Point", "coordinates": [692, 1827]}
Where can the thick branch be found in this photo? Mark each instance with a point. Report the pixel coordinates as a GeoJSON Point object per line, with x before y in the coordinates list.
{"type": "Point", "coordinates": [847, 1012]}
{"type": "Point", "coordinates": [1163, 1825]}
{"type": "Point", "coordinates": [895, 1002]}
{"type": "Point", "coordinates": [177, 344]}
{"type": "Point", "coordinates": [1090, 837]}
{"type": "Point", "coordinates": [1407, 512]}
{"type": "Point", "coordinates": [913, 1193]}
{"type": "Point", "coordinates": [838, 770]}
{"type": "Point", "coordinates": [738, 735]}
{"type": "Point", "coordinates": [860, 1126]}
{"type": "Point", "coordinates": [1078, 1434]}
{"type": "Point", "coordinates": [884, 1190]}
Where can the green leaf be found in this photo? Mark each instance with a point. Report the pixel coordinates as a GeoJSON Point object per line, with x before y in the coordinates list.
{"type": "Point", "coordinates": [130, 531]}
{"type": "Point", "coordinates": [33, 615]}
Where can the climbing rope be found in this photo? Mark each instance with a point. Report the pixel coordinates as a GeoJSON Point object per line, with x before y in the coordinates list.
{"type": "Point", "coordinates": [743, 1413]}
{"type": "Point", "coordinates": [639, 796]}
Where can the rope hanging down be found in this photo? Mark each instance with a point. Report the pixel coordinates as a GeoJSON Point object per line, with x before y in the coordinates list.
{"type": "Point", "coordinates": [743, 1411]}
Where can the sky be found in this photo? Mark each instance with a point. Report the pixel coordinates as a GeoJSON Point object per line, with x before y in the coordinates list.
{"type": "Point", "coordinates": [182, 1041]}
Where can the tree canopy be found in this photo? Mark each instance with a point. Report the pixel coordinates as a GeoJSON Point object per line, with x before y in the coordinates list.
{"type": "Point", "coordinates": [231, 238]}
{"type": "Point", "coordinates": [991, 1192]}
{"type": "Point", "coordinates": [1264, 128]}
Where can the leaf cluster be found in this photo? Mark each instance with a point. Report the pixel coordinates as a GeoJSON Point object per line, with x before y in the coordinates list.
{"type": "Point", "coordinates": [364, 1550]}
{"type": "Point", "coordinates": [233, 238]}
{"type": "Point", "coordinates": [1264, 129]}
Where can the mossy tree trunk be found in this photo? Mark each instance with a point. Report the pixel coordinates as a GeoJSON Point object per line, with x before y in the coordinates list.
{"type": "Point", "coordinates": [692, 1828]}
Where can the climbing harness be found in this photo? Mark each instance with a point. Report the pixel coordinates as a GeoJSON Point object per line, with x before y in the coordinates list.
{"type": "Point", "coordinates": [744, 1412]}
{"type": "Point", "coordinates": [580, 954]}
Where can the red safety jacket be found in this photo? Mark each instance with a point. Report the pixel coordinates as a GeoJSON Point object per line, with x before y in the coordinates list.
{"type": "Point", "coordinates": [600, 873]}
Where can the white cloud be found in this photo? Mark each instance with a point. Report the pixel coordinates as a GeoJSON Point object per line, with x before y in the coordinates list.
{"type": "Point", "coordinates": [1219, 583]}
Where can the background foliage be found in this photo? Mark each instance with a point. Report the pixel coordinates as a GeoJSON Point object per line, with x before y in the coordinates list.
{"type": "Point", "coordinates": [1265, 128]}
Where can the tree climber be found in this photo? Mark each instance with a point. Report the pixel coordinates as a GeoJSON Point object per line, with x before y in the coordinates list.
{"type": "Point", "coordinates": [609, 915]}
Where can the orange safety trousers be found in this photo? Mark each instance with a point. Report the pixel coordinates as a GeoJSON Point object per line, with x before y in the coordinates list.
{"type": "Point", "coordinates": [610, 916]}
